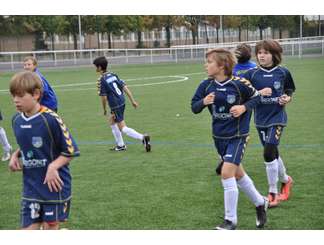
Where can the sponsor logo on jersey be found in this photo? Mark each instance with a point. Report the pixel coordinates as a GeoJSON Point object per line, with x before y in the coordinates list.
{"type": "Point", "coordinates": [228, 155]}
{"type": "Point", "coordinates": [37, 141]}
{"type": "Point", "coordinates": [277, 85]}
{"type": "Point", "coordinates": [34, 163]}
{"type": "Point", "coordinates": [274, 100]}
{"type": "Point", "coordinates": [221, 89]}
{"type": "Point", "coordinates": [30, 154]}
{"type": "Point", "coordinates": [230, 98]}
{"type": "Point", "coordinates": [26, 126]}
{"type": "Point", "coordinates": [267, 75]}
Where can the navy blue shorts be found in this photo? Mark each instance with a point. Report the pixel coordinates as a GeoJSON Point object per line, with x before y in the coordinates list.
{"type": "Point", "coordinates": [118, 113]}
{"type": "Point", "coordinates": [270, 135]}
{"type": "Point", "coordinates": [35, 212]}
{"type": "Point", "coordinates": [231, 150]}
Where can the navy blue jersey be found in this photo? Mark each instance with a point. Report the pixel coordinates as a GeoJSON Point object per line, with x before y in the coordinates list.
{"type": "Point", "coordinates": [269, 112]}
{"type": "Point", "coordinates": [49, 97]}
{"type": "Point", "coordinates": [42, 138]}
{"type": "Point", "coordinates": [234, 91]}
{"type": "Point", "coordinates": [241, 68]}
{"type": "Point", "coordinates": [111, 86]}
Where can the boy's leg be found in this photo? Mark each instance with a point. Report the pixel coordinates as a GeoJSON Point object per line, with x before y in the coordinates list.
{"type": "Point", "coordinates": [286, 181]}
{"type": "Point", "coordinates": [30, 215]}
{"type": "Point", "coordinates": [5, 145]}
{"type": "Point", "coordinates": [120, 145]}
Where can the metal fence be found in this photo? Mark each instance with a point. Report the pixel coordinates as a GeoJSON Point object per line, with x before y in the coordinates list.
{"type": "Point", "coordinates": [188, 53]}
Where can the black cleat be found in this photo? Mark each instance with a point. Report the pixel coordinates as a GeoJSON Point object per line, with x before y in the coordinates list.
{"type": "Point", "coordinates": [219, 168]}
{"type": "Point", "coordinates": [261, 212]}
{"type": "Point", "coordinates": [226, 225]}
{"type": "Point", "coordinates": [147, 143]}
{"type": "Point", "coordinates": [119, 148]}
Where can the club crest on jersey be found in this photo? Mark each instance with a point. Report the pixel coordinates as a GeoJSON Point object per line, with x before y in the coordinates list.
{"type": "Point", "coordinates": [230, 98]}
{"type": "Point", "coordinates": [277, 85]}
{"type": "Point", "coordinates": [37, 142]}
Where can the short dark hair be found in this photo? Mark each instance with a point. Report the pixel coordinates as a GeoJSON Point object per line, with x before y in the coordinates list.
{"type": "Point", "coordinates": [272, 47]}
{"type": "Point", "coordinates": [243, 53]}
{"type": "Point", "coordinates": [102, 62]}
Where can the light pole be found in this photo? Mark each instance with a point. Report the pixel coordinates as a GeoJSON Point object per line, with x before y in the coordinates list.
{"type": "Point", "coordinates": [80, 34]}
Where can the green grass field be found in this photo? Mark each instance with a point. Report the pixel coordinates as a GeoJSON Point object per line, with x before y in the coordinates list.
{"type": "Point", "coordinates": [174, 186]}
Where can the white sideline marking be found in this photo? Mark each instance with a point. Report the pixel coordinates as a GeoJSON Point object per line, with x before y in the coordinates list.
{"type": "Point", "coordinates": [181, 78]}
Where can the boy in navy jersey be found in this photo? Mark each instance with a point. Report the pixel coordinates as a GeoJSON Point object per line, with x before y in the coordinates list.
{"type": "Point", "coordinates": [229, 100]}
{"type": "Point", "coordinates": [243, 55]}
{"type": "Point", "coordinates": [111, 89]}
{"type": "Point", "coordinates": [49, 97]}
{"type": "Point", "coordinates": [45, 149]}
{"type": "Point", "coordinates": [5, 143]}
{"type": "Point", "coordinates": [270, 116]}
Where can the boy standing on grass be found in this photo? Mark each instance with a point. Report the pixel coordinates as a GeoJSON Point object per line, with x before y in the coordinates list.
{"type": "Point", "coordinates": [45, 147]}
{"type": "Point", "coordinates": [229, 100]}
{"type": "Point", "coordinates": [270, 116]}
{"type": "Point", "coordinates": [49, 97]}
{"type": "Point", "coordinates": [111, 89]}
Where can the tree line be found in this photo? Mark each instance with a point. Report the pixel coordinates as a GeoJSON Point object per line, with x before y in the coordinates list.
{"type": "Point", "coordinates": [114, 25]}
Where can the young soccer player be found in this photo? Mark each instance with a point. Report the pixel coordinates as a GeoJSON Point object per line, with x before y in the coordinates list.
{"type": "Point", "coordinates": [111, 89]}
{"type": "Point", "coordinates": [49, 98]}
{"type": "Point", "coordinates": [270, 116]}
{"type": "Point", "coordinates": [229, 100]}
{"type": "Point", "coordinates": [243, 54]}
{"type": "Point", "coordinates": [5, 143]}
{"type": "Point", "coordinates": [45, 149]}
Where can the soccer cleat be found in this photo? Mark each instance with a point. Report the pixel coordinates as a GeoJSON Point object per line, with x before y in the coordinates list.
{"type": "Point", "coordinates": [261, 214]}
{"type": "Point", "coordinates": [274, 200]}
{"type": "Point", "coordinates": [147, 143]}
{"type": "Point", "coordinates": [285, 189]}
{"type": "Point", "coordinates": [6, 156]}
{"type": "Point", "coordinates": [119, 148]}
{"type": "Point", "coordinates": [226, 225]}
{"type": "Point", "coordinates": [219, 168]}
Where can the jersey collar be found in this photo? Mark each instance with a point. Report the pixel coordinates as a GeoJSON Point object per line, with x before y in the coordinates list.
{"type": "Point", "coordinates": [225, 82]}
{"type": "Point", "coordinates": [268, 71]}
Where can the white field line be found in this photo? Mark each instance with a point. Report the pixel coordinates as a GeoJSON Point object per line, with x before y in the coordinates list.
{"type": "Point", "coordinates": [181, 78]}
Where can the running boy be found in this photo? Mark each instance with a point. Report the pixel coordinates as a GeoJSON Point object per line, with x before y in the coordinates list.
{"type": "Point", "coordinates": [45, 147]}
{"type": "Point", "coordinates": [229, 100]}
{"type": "Point", "coordinates": [49, 97]}
{"type": "Point", "coordinates": [270, 116]}
{"type": "Point", "coordinates": [111, 89]}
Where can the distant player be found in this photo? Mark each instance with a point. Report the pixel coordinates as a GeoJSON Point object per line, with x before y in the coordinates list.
{"type": "Point", "coordinates": [229, 100]}
{"type": "Point", "coordinates": [243, 55]}
{"type": "Point", "coordinates": [45, 149]}
{"type": "Point", "coordinates": [111, 89]}
{"type": "Point", "coordinates": [49, 98]}
{"type": "Point", "coordinates": [270, 116]}
{"type": "Point", "coordinates": [5, 143]}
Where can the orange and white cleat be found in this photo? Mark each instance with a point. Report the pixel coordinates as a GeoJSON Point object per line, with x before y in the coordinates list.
{"type": "Point", "coordinates": [286, 189]}
{"type": "Point", "coordinates": [274, 200]}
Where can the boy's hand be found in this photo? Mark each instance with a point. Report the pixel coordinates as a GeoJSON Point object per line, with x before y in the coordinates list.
{"type": "Point", "coordinates": [14, 163]}
{"type": "Point", "coordinates": [284, 99]}
{"type": "Point", "coordinates": [135, 104]}
{"type": "Point", "coordinates": [265, 91]}
{"type": "Point", "coordinates": [209, 99]}
{"type": "Point", "coordinates": [52, 179]}
{"type": "Point", "coordinates": [237, 110]}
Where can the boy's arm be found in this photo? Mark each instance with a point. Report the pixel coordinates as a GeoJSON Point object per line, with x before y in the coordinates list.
{"type": "Point", "coordinates": [104, 104]}
{"type": "Point", "coordinates": [52, 178]}
{"type": "Point", "coordinates": [14, 164]}
{"type": "Point", "coordinates": [130, 96]}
